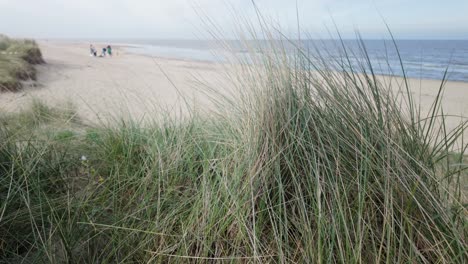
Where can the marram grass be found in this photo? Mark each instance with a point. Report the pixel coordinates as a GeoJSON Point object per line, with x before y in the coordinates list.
{"type": "Point", "coordinates": [306, 165]}
{"type": "Point", "coordinates": [17, 60]}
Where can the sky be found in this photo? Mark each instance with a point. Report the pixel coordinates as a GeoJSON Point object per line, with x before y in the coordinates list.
{"type": "Point", "coordinates": [187, 19]}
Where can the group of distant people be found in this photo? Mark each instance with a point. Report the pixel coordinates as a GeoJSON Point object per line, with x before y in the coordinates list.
{"type": "Point", "coordinates": [106, 51]}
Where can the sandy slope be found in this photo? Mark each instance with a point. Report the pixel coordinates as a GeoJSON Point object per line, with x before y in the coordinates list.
{"type": "Point", "coordinates": [137, 85]}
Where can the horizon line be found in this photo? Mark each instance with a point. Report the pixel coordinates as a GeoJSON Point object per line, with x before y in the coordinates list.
{"type": "Point", "coordinates": [232, 39]}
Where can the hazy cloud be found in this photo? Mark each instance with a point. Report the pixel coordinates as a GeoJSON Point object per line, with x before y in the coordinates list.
{"type": "Point", "coordinates": [181, 18]}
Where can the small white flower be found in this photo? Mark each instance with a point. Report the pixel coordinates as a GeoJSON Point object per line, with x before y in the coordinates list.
{"type": "Point", "coordinates": [83, 158]}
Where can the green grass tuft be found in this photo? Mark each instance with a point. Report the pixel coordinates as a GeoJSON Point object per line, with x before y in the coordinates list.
{"type": "Point", "coordinates": [17, 60]}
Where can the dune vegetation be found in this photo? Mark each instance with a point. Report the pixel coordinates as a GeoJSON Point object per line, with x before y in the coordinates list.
{"type": "Point", "coordinates": [17, 60]}
{"type": "Point", "coordinates": [308, 162]}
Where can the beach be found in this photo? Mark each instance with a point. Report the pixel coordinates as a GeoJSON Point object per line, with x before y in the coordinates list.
{"type": "Point", "coordinates": [139, 86]}
{"type": "Point", "coordinates": [233, 131]}
{"type": "Point", "coordinates": [293, 165]}
{"type": "Point", "coordinates": [119, 86]}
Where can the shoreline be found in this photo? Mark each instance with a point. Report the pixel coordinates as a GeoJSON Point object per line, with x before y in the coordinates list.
{"type": "Point", "coordinates": [422, 78]}
{"type": "Point", "coordinates": [227, 64]}
{"type": "Point", "coordinates": [430, 68]}
{"type": "Point", "coordinates": [124, 47]}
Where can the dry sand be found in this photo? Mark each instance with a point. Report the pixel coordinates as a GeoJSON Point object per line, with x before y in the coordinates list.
{"type": "Point", "coordinates": [118, 86]}
{"type": "Point", "coordinates": [136, 85]}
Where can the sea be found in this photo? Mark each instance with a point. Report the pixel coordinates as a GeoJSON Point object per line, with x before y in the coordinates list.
{"type": "Point", "coordinates": [423, 59]}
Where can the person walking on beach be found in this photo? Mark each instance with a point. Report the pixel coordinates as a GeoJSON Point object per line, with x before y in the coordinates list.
{"type": "Point", "coordinates": [103, 52]}
{"type": "Point", "coordinates": [109, 50]}
{"type": "Point", "coordinates": [92, 50]}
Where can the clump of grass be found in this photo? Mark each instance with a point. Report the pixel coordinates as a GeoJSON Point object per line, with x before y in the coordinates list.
{"type": "Point", "coordinates": [17, 68]}
{"type": "Point", "coordinates": [356, 180]}
{"type": "Point", "coordinates": [17, 60]}
{"type": "Point", "coordinates": [39, 115]}
{"type": "Point", "coordinates": [27, 50]}
{"type": "Point", "coordinates": [306, 164]}
{"type": "Point", "coordinates": [8, 82]}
